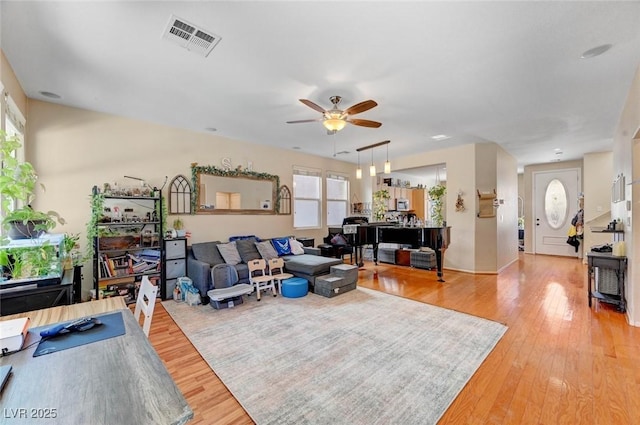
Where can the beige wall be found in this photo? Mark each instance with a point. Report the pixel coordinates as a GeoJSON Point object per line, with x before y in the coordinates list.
{"type": "Point", "coordinates": [76, 149]}
{"type": "Point", "coordinates": [12, 85]}
{"type": "Point", "coordinates": [486, 248]}
{"type": "Point", "coordinates": [507, 213]}
{"type": "Point", "coordinates": [597, 198]}
{"type": "Point", "coordinates": [474, 242]}
{"type": "Point", "coordinates": [626, 161]}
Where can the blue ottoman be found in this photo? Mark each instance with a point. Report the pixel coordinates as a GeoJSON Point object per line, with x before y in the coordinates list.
{"type": "Point", "coordinates": [295, 287]}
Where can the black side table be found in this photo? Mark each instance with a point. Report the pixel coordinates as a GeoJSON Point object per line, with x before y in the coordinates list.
{"type": "Point", "coordinates": [310, 242]}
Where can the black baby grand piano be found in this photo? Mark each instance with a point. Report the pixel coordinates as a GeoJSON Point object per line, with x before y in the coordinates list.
{"type": "Point", "coordinates": [436, 238]}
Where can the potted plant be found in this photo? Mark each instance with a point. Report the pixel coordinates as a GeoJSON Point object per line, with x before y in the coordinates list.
{"type": "Point", "coordinates": [70, 248]}
{"type": "Point", "coordinates": [436, 193]}
{"type": "Point", "coordinates": [17, 189]}
{"type": "Point", "coordinates": [380, 198]}
{"type": "Point", "coordinates": [178, 226]}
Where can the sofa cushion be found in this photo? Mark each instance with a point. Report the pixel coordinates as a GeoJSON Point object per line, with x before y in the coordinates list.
{"type": "Point", "coordinates": [207, 252]}
{"type": "Point", "coordinates": [282, 246]}
{"type": "Point", "coordinates": [230, 253]}
{"type": "Point", "coordinates": [266, 250]}
{"type": "Point", "coordinates": [310, 264]}
{"type": "Point", "coordinates": [247, 249]}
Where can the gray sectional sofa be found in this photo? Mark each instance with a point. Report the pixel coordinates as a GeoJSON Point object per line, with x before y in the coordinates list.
{"type": "Point", "coordinates": [202, 256]}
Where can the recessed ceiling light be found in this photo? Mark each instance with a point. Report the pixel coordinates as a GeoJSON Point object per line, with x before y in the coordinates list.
{"type": "Point", "coordinates": [596, 51]}
{"type": "Point", "coordinates": [212, 129]}
{"type": "Point", "coordinates": [297, 148]}
{"type": "Point", "coordinates": [50, 95]}
{"type": "Point", "coordinates": [440, 137]}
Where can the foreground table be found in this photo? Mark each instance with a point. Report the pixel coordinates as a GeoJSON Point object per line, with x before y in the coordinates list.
{"type": "Point", "coordinates": [119, 380]}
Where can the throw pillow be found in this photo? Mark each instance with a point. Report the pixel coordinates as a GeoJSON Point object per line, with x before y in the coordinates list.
{"type": "Point", "coordinates": [247, 249]}
{"type": "Point", "coordinates": [339, 239]}
{"type": "Point", "coordinates": [282, 246]}
{"type": "Point", "coordinates": [230, 253]}
{"type": "Point", "coordinates": [266, 250]}
{"type": "Point", "coordinates": [207, 252]}
{"type": "Point", "coordinates": [296, 247]}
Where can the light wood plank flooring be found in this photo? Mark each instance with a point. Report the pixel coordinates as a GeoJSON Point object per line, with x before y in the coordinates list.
{"type": "Point", "coordinates": [560, 362]}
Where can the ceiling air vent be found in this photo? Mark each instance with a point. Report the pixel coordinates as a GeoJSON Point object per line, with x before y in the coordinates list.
{"type": "Point", "coordinates": [190, 36]}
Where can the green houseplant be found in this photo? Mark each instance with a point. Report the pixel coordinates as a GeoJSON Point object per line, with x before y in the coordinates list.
{"type": "Point", "coordinates": [17, 189]}
{"type": "Point", "coordinates": [20, 221]}
{"type": "Point", "coordinates": [380, 198]}
{"type": "Point", "coordinates": [436, 195]}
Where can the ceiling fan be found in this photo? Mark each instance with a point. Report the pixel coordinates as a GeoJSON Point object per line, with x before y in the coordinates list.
{"type": "Point", "coordinates": [336, 119]}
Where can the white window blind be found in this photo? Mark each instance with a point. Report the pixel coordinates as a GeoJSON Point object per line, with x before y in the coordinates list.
{"type": "Point", "coordinates": [307, 198]}
{"type": "Point", "coordinates": [337, 198]}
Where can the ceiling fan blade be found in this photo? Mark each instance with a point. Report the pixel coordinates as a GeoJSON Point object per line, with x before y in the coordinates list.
{"type": "Point", "coordinates": [361, 107]}
{"type": "Point", "coordinates": [299, 121]}
{"type": "Point", "coordinates": [365, 123]}
{"type": "Point", "coordinates": [312, 105]}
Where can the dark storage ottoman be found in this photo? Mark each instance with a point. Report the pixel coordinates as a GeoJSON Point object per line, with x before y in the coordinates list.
{"type": "Point", "coordinates": [331, 286]}
{"type": "Point", "coordinates": [423, 259]}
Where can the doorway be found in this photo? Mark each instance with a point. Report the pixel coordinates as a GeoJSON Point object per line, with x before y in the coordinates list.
{"type": "Point", "coordinates": [555, 203]}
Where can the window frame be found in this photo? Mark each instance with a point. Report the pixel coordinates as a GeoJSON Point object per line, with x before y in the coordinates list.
{"type": "Point", "coordinates": [307, 172]}
{"type": "Point", "coordinates": [333, 175]}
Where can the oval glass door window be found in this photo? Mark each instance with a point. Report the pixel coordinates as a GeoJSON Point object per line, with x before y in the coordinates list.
{"type": "Point", "coordinates": [556, 204]}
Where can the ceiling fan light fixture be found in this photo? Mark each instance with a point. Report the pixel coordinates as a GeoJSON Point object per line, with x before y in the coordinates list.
{"type": "Point", "coordinates": [334, 124]}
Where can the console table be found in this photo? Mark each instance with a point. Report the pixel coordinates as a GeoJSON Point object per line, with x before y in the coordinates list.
{"type": "Point", "coordinates": [599, 262]}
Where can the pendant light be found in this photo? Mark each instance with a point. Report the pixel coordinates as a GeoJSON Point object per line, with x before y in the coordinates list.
{"type": "Point", "coordinates": [387, 164]}
{"type": "Point", "coordinates": [358, 170]}
{"type": "Point", "coordinates": [372, 168]}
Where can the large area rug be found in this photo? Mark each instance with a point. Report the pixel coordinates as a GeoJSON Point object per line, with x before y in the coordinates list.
{"type": "Point", "coordinates": [363, 357]}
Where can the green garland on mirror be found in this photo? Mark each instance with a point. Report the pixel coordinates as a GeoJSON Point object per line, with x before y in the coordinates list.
{"type": "Point", "coordinates": [221, 172]}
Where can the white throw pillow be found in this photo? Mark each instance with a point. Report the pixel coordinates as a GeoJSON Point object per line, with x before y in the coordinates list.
{"type": "Point", "coordinates": [296, 247]}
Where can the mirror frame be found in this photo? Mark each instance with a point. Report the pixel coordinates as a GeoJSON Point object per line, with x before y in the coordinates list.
{"type": "Point", "coordinates": [198, 170]}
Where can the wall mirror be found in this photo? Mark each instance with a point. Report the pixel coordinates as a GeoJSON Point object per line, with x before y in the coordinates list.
{"type": "Point", "coordinates": [221, 191]}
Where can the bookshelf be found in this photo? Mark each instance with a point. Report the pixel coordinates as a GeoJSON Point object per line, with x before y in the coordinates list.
{"type": "Point", "coordinates": [128, 244]}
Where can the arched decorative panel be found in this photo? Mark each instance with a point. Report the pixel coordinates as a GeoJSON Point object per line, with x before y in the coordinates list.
{"type": "Point", "coordinates": [285, 200]}
{"type": "Point", "coordinates": [180, 193]}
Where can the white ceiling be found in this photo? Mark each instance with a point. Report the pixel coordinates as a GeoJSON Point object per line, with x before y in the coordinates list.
{"type": "Point", "coordinates": [506, 72]}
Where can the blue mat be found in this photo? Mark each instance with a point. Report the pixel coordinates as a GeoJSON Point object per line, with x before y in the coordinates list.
{"type": "Point", "coordinates": [112, 326]}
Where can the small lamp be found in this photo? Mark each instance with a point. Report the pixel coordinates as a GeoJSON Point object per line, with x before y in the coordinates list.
{"type": "Point", "coordinates": [372, 168]}
{"type": "Point", "coordinates": [387, 164]}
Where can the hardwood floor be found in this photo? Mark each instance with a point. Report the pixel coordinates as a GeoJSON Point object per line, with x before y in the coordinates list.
{"type": "Point", "coordinates": [560, 362]}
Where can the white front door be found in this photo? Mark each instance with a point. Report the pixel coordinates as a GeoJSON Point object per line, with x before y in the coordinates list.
{"type": "Point", "coordinates": [555, 204]}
